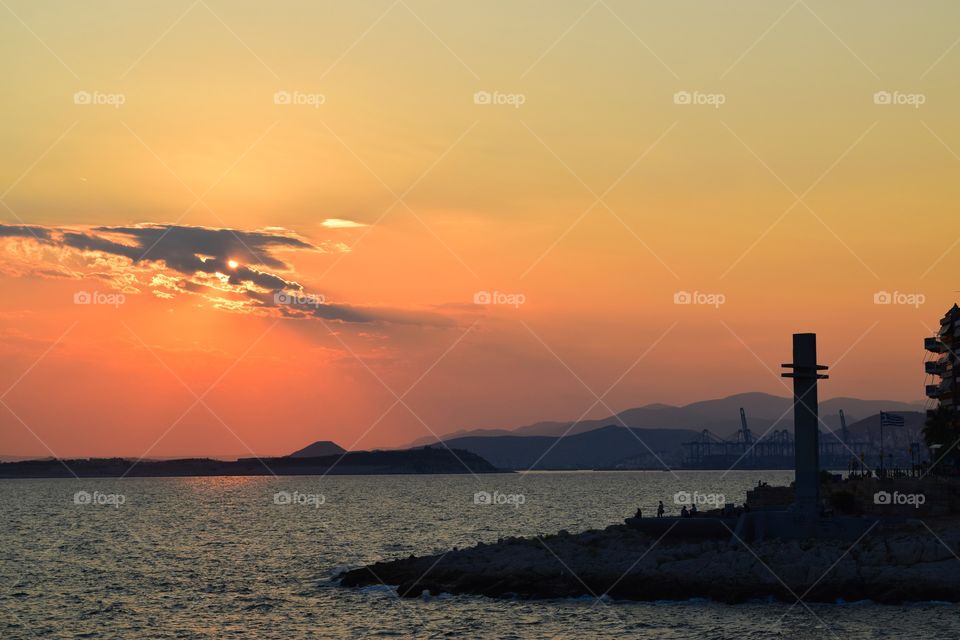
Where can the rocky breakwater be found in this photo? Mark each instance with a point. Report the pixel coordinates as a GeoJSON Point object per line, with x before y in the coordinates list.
{"type": "Point", "coordinates": [892, 564]}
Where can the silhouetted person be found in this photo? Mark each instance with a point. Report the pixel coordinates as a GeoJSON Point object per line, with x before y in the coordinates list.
{"type": "Point", "coordinates": [693, 510]}
{"type": "Point", "coordinates": [660, 509]}
{"type": "Point", "coordinates": [684, 513]}
{"type": "Point", "coordinates": [638, 514]}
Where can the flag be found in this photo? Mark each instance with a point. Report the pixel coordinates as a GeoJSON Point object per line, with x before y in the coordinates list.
{"type": "Point", "coordinates": [890, 420]}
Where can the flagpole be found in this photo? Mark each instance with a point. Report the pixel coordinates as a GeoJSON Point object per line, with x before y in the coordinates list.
{"type": "Point", "coordinates": [881, 443]}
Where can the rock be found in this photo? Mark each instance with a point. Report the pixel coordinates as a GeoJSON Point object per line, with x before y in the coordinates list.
{"type": "Point", "coordinates": [886, 566]}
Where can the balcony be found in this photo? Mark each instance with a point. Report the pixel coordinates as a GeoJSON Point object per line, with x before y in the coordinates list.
{"type": "Point", "coordinates": [933, 391]}
{"type": "Point", "coordinates": [935, 367]}
{"type": "Point", "coordinates": [934, 345]}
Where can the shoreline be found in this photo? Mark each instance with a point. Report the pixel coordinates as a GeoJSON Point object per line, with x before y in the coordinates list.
{"type": "Point", "coordinates": [265, 474]}
{"type": "Point", "coordinates": [426, 461]}
{"type": "Point", "coordinates": [53, 469]}
{"type": "Point", "coordinates": [896, 563]}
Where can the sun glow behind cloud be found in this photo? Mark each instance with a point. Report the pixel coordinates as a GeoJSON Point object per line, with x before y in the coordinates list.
{"type": "Point", "coordinates": [176, 260]}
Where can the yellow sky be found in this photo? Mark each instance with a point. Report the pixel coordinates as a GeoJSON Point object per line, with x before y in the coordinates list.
{"type": "Point", "coordinates": [814, 166]}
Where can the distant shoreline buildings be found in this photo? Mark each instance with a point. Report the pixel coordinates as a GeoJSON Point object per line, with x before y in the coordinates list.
{"type": "Point", "coordinates": [775, 450]}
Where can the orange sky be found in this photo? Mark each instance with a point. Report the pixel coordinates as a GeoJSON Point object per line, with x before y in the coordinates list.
{"type": "Point", "coordinates": [377, 164]}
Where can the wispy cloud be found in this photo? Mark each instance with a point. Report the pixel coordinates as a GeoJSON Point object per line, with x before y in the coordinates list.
{"type": "Point", "coordinates": [340, 223]}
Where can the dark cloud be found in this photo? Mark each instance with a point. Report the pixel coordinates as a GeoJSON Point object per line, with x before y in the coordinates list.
{"type": "Point", "coordinates": [186, 250]}
{"type": "Point", "coordinates": [24, 231]}
{"type": "Point", "coordinates": [302, 305]}
{"type": "Point", "coordinates": [371, 315]}
{"type": "Point", "coordinates": [199, 259]}
{"type": "Point", "coordinates": [88, 242]}
{"type": "Point", "coordinates": [179, 246]}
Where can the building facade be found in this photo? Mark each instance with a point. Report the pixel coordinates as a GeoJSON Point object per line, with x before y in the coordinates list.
{"type": "Point", "coordinates": [944, 366]}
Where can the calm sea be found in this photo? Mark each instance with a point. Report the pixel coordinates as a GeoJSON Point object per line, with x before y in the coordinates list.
{"type": "Point", "coordinates": [253, 558]}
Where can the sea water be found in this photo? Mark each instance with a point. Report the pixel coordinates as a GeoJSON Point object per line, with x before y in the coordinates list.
{"type": "Point", "coordinates": [255, 557]}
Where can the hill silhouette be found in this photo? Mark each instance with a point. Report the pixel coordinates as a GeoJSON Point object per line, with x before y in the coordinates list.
{"type": "Point", "coordinates": [318, 449]}
{"type": "Point", "coordinates": [609, 447]}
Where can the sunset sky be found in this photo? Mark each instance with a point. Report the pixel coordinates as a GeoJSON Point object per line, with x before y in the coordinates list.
{"type": "Point", "coordinates": [238, 227]}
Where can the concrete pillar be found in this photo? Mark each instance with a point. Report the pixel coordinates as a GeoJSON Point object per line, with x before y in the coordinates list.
{"type": "Point", "coordinates": [806, 424]}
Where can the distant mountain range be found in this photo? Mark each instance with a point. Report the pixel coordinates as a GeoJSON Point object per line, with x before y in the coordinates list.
{"type": "Point", "coordinates": [721, 416]}
{"type": "Point", "coordinates": [655, 432]}
{"type": "Point", "coordinates": [653, 436]}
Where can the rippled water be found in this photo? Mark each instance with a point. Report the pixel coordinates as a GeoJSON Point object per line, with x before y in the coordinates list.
{"type": "Point", "coordinates": [218, 558]}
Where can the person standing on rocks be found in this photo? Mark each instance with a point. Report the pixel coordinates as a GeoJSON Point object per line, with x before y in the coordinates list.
{"type": "Point", "coordinates": [660, 509]}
